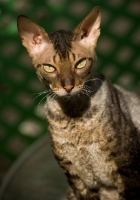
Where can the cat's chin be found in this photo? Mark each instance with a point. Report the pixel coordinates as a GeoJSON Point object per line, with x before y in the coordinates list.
{"type": "Point", "coordinates": [69, 95]}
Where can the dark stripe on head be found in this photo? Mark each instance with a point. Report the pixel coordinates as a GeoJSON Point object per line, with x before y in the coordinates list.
{"type": "Point", "coordinates": [67, 55]}
{"type": "Point", "coordinates": [54, 58]}
{"type": "Point", "coordinates": [73, 56]}
{"type": "Point", "coordinates": [62, 41]}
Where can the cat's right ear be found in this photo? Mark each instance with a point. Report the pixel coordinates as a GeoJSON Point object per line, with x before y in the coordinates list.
{"type": "Point", "coordinates": [34, 37]}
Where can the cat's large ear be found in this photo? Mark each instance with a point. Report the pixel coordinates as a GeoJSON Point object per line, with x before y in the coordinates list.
{"type": "Point", "coordinates": [88, 31]}
{"type": "Point", "coordinates": [34, 38]}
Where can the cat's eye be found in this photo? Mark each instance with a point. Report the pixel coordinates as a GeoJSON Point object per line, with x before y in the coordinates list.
{"type": "Point", "coordinates": [48, 68]}
{"type": "Point", "coordinates": [81, 63]}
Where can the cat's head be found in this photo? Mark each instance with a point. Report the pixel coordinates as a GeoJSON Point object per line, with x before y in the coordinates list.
{"type": "Point", "coordinates": [63, 59]}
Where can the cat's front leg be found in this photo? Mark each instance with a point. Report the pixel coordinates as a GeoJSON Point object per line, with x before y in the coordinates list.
{"type": "Point", "coordinates": [76, 189]}
{"type": "Point", "coordinates": [89, 195]}
{"type": "Point", "coordinates": [109, 194]}
{"type": "Point", "coordinates": [70, 194]}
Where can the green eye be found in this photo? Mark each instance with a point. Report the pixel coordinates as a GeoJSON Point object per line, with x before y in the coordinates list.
{"type": "Point", "coordinates": [48, 68]}
{"type": "Point", "coordinates": [81, 64]}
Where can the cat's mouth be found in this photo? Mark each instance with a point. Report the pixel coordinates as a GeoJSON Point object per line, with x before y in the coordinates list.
{"type": "Point", "coordinates": [68, 91]}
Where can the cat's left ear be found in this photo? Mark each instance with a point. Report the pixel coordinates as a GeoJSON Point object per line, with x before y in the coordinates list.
{"type": "Point", "coordinates": [34, 37]}
{"type": "Point", "coordinates": [88, 31]}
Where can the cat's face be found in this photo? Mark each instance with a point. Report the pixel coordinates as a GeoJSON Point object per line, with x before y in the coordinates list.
{"type": "Point", "coordinates": [65, 75]}
{"type": "Point", "coordinates": [63, 59]}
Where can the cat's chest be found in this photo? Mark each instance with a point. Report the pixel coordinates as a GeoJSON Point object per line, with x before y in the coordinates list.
{"type": "Point", "coordinates": [80, 148]}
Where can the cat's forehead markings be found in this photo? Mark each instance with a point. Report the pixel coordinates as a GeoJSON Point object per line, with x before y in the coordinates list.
{"type": "Point", "coordinates": [56, 58]}
{"type": "Point", "coordinates": [71, 57]}
{"type": "Point", "coordinates": [62, 42]}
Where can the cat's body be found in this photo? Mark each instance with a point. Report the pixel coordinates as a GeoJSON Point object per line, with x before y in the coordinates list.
{"type": "Point", "coordinates": [99, 151]}
{"type": "Point", "coordinates": [94, 126]}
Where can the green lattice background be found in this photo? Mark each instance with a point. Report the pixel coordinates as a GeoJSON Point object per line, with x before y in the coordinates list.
{"type": "Point", "coordinates": [21, 119]}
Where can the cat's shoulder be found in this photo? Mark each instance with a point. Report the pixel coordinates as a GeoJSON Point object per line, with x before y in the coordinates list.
{"type": "Point", "coordinates": [132, 101]}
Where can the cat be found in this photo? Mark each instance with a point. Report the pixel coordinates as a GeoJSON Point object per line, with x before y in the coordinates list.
{"type": "Point", "coordinates": [94, 125]}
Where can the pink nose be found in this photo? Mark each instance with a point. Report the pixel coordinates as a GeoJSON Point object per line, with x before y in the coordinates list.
{"type": "Point", "coordinates": [68, 88]}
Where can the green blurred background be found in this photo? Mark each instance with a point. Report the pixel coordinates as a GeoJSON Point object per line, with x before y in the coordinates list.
{"type": "Point", "coordinates": [22, 120]}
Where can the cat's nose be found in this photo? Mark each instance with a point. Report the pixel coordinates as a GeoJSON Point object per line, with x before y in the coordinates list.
{"type": "Point", "coordinates": [68, 88]}
{"type": "Point", "coordinates": [68, 83]}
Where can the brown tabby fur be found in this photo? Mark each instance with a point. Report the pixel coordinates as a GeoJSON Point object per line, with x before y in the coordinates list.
{"type": "Point", "coordinates": [94, 125]}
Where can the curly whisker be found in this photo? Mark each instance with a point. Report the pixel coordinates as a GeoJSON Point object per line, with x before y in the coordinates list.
{"type": "Point", "coordinates": [41, 100]}
{"type": "Point", "coordinates": [93, 79]}
{"type": "Point", "coordinates": [85, 91]}
{"type": "Point", "coordinates": [52, 95]}
{"type": "Point", "coordinates": [88, 88]}
{"type": "Point", "coordinates": [39, 94]}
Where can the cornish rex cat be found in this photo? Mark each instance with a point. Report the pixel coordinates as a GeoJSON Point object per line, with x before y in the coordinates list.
{"type": "Point", "coordinates": [94, 125]}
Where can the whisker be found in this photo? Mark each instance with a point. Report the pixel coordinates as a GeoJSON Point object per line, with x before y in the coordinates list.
{"type": "Point", "coordinates": [45, 91]}
{"type": "Point", "coordinates": [52, 95]}
{"type": "Point", "coordinates": [85, 91]}
{"type": "Point", "coordinates": [40, 103]}
{"type": "Point", "coordinates": [39, 94]}
{"type": "Point", "coordinates": [93, 79]}
{"type": "Point", "coordinates": [87, 88]}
